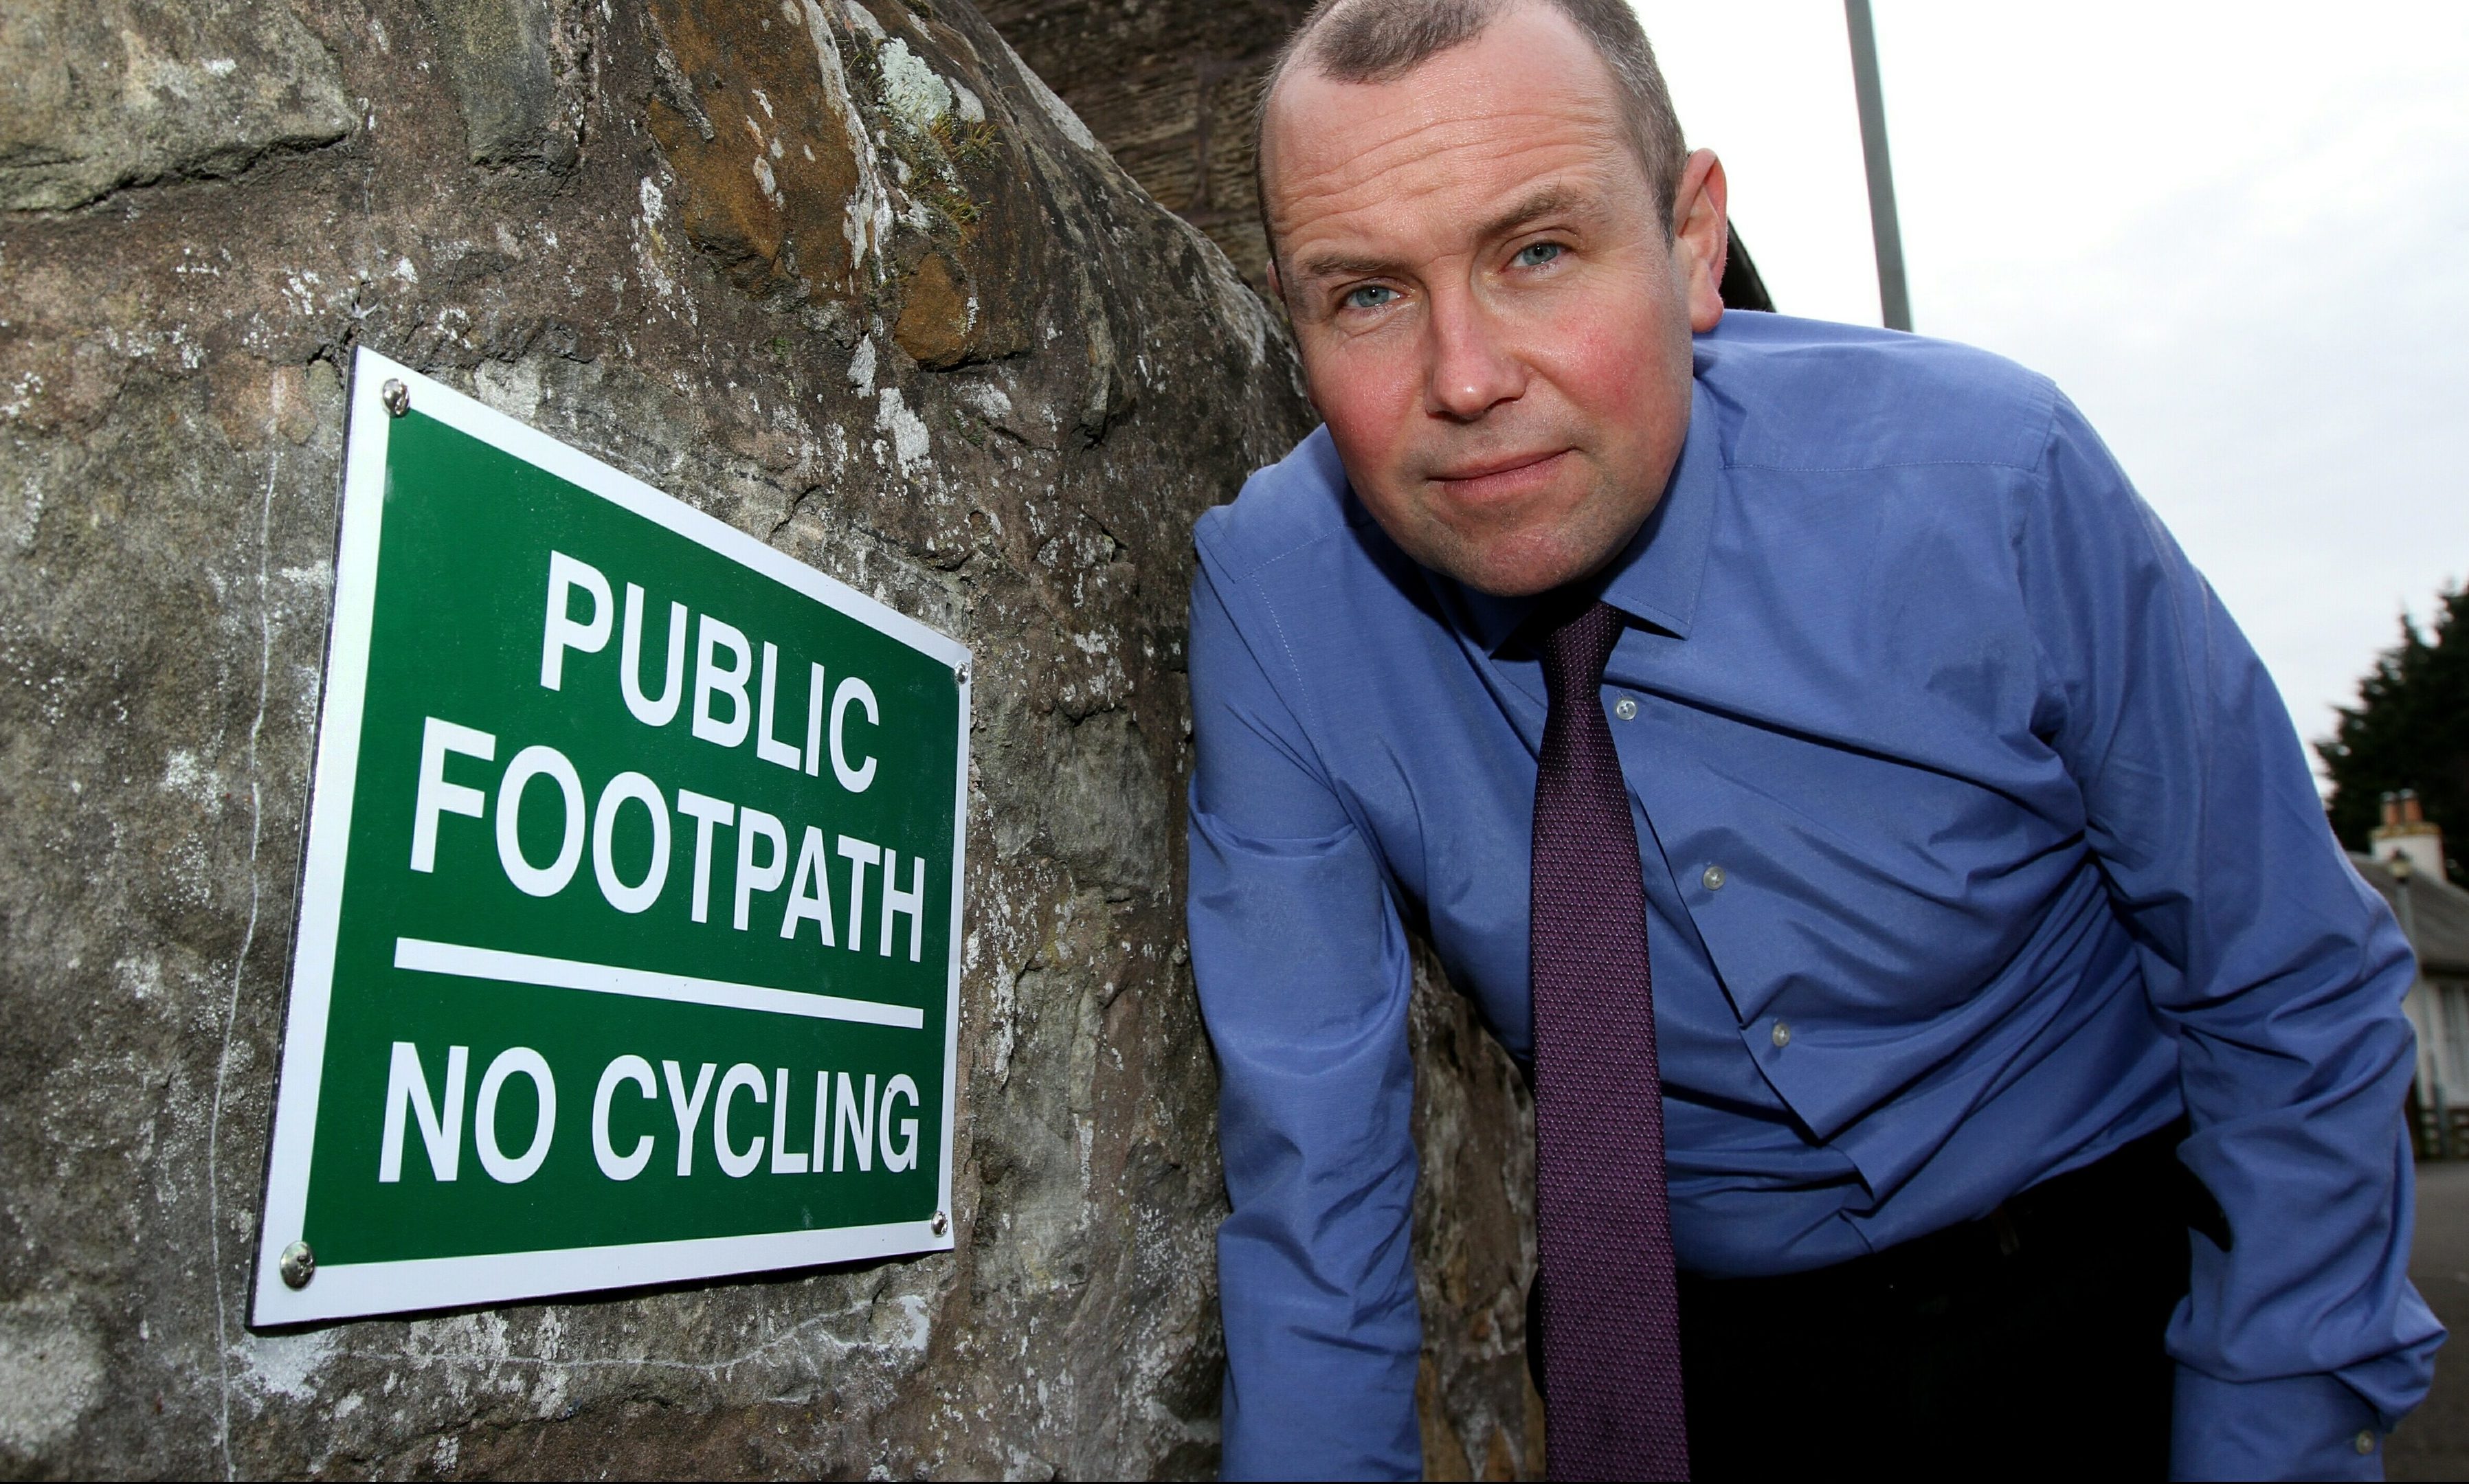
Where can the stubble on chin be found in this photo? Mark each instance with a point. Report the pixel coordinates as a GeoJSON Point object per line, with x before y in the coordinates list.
{"type": "Point", "coordinates": [1520, 559]}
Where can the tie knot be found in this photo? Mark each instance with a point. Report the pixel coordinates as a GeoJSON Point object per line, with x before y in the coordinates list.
{"type": "Point", "coordinates": [1576, 649]}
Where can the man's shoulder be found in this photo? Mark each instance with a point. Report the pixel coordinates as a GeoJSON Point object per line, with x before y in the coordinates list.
{"type": "Point", "coordinates": [1801, 394]}
{"type": "Point", "coordinates": [1296, 503]}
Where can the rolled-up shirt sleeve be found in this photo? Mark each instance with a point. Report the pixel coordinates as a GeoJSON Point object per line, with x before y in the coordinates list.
{"type": "Point", "coordinates": [2278, 970]}
{"type": "Point", "coordinates": [1304, 975]}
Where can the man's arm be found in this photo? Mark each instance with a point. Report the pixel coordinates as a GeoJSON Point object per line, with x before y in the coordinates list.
{"type": "Point", "coordinates": [2279, 970]}
{"type": "Point", "coordinates": [1303, 980]}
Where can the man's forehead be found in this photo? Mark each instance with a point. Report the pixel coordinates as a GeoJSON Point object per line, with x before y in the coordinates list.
{"type": "Point", "coordinates": [1345, 243]}
{"type": "Point", "coordinates": [1528, 85]}
{"type": "Point", "coordinates": [1440, 189]}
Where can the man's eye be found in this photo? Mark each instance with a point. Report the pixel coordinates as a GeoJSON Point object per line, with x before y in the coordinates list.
{"type": "Point", "coordinates": [1537, 254]}
{"type": "Point", "coordinates": [1371, 296]}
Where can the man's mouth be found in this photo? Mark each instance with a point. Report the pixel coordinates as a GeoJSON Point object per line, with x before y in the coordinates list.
{"type": "Point", "coordinates": [1498, 478]}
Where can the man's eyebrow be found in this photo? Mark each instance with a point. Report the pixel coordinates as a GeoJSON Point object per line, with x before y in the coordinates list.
{"type": "Point", "coordinates": [1552, 199]}
{"type": "Point", "coordinates": [1549, 201]}
{"type": "Point", "coordinates": [1342, 266]}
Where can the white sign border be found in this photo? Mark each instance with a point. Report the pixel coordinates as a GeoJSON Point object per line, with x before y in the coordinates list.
{"type": "Point", "coordinates": [365, 1289]}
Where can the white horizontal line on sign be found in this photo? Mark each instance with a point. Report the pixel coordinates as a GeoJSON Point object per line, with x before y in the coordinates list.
{"type": "Point", "coordinates": [423, 956]}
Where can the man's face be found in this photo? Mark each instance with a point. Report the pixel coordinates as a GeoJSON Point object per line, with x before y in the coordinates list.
{"type": "Point", "coordinates": [1492, 317]}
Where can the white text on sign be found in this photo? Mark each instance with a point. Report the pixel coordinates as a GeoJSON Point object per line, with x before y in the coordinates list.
{"type": "Point", "coordinates": [855, 1127]}
{"type": "Point", "coordinates": [762, 859]}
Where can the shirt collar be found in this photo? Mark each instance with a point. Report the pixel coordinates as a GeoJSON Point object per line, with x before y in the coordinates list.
{"type": "Point", "coordinates": [1656, 578]}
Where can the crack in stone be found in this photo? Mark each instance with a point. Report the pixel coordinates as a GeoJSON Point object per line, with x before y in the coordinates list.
{"type": "Point", "coordinates": [248, 940]}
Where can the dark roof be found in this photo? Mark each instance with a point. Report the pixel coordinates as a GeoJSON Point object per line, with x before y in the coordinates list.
{"type": "Point", "coordinates": [2437, 911]}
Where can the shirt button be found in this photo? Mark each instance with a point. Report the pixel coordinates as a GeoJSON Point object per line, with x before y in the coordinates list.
{"type": "Point", "coordinates": [1625, 708]}
{"type": "Point", "coordinates": [1714, 878]}
{"type": "Point", "coordinates": [2366, 1442]}
{"type": "Point", "coordinates": [1782, 1034]}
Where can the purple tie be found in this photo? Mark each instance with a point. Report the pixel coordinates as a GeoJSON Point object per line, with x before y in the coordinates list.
{"type": "Point", "coordinates": [1612, 1323]}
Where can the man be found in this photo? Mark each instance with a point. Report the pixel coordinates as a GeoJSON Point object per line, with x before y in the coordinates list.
{"type": "Point", "coordinates": [1808, 719]}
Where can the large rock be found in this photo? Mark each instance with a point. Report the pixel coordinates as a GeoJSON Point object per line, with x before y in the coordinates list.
{"type": "Point", "coordinates": [847, 277]}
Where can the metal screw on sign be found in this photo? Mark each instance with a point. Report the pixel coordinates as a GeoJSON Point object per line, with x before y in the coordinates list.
{"type": "Point", "coordinates": [397, 398]}
{"type": "Point", "coordinates": [299, 1265]}
{"type": "Point", "coordinates": [961, 674]}
{"type": "Point", "coordinates": [941, 1225]}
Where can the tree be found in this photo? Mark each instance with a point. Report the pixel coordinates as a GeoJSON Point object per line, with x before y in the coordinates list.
{"type": "Point", "coordinates": [2410, 730]}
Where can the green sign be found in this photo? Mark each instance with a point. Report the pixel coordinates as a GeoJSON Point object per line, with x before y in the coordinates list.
{"type": "Point", "coordinates": [628, 939]}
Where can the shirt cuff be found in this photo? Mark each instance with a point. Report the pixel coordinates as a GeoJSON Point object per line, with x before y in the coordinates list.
{"type": "Point", "coordinates": [2293, 1428]}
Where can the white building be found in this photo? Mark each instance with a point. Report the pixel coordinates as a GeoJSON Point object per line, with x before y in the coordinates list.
{"type": "Point", "coordinates": [2408, 867]}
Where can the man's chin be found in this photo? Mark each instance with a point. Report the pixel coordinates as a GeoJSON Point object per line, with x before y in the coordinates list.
{"type": "Point", "coordinates": [1515, 567]}
{"type": "Point", "coordinates": [1512, 554]}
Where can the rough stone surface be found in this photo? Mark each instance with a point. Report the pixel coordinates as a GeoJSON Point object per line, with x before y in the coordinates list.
{"type": "Point", "coordinates": [502, 59]}
{"type": "Point", "coordinates": [955, 357]}
{"type": "Point", "coordinates": [1169, 86]}
{"type": "Point", "coordinates": [50, 1372]}
{"type": "Point", "coordinates": [1474, 1240]}
{"type": "Point", "coordinates": [100, 94]}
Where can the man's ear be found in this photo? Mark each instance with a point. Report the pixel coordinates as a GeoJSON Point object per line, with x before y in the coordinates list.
{"type": "Point", "coordinates": [1277, 289]}
{"type": "Point", "coordinates": [1701, 236]}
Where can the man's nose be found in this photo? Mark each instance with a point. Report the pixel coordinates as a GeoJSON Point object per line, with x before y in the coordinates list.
{"type": "Point", "coordinates": [1473, 367]}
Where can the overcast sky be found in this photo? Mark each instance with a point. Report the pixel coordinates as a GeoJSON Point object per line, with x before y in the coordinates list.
{"type": "Point", "coordinates": [2237, 236]}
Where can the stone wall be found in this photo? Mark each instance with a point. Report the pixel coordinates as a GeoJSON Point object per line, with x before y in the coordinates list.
{"type": "Point", "coordinates": [1167, 85]}
{"type": "Point", "coordinates": [844, 275]}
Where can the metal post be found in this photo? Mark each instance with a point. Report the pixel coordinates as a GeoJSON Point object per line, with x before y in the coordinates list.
{"type": "Point", "coordinates": [1894, 295]}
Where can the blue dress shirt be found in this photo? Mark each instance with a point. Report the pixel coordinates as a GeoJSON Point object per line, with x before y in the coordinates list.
{"type": "Point", "coordinates": [2013, 836]}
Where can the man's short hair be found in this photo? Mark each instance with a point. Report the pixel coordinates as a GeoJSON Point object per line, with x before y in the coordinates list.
{"type": "Point", "coordinates": [1382, 40]}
